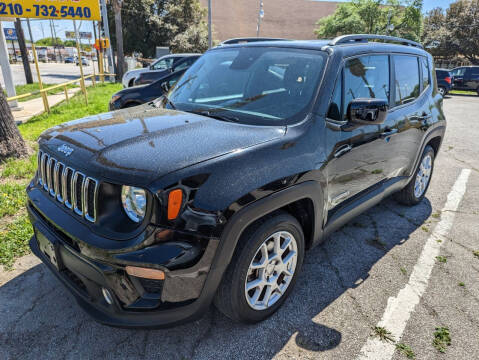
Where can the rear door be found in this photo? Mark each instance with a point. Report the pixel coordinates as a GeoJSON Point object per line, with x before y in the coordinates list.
{"type": "Point", "coordinates": [410, 110]}
{"type": "Point", "coordinates": [458, 77]}
{"type": "Point", "coordinates": [471, 78]}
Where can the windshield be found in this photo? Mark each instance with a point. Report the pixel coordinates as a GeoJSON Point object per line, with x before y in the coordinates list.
{"type": "Point", "coordinates": [254, 85]}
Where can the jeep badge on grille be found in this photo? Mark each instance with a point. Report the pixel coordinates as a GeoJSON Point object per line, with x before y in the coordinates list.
{"type": "Point", "coordinates": [65, 149]}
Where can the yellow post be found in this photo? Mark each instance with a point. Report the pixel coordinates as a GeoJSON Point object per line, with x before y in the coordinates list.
{"type": "Point", "coordinates": [100, 62]}
{"type": "Point", "coordinates": [66, 93]}
{"type": "Point", "coordinates": [40, 84]}
{"type": "Point", "coordinates": [93, 66]}
{"type": "Point", "coordinates": [82, 77]}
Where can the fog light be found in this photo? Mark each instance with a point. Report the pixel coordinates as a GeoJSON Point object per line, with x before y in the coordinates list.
{"type": "Point", "coordinates": [107, 295]}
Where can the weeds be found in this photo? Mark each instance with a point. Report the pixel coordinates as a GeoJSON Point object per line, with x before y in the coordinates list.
{"type": "Point", "coordinates": [406, 350]}
{"type": "Point", "coordinates": [403, 270]}
{"type": "Point", "coordinates": [442, 338]}
{"type": "Point", "coordinates": [476, 253]}
{"type": "Point", "coordinates": [383, 334]}
{"type": "Point", "coordinates": [441, 259]}
{"type": "Point", "coordinates": [14, 240]}
{"type": "Point", "coordinates": [462, 284]}
{"type": "Point", "coordinates": [425, 228]}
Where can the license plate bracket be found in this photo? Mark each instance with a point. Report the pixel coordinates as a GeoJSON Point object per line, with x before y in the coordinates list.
{"type": "Point", "coordinates": [49, 247]}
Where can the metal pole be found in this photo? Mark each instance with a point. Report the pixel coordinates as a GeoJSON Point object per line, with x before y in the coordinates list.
{"type": "Point", "coordinates": [30, 30]}
{"type": "Point", "coordinates": [210, 38]}
{"type": "Point", "coordinates": [82, 80]}
{"type": "Point", "coordinates": [6, 70]}
{"type": "Point", "coordinates": [259, 17]}
{"type": "Point", "coordinates": [106, 30]}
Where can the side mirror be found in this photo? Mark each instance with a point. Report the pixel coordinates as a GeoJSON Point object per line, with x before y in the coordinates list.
{"type": "Point", "coordinates": [367, 111]}
{"type": "Point", "coordinates": [165, 87]}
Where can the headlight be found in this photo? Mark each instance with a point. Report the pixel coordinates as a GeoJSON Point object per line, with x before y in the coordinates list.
{"type": "Point", "coordinates": [134, 202]}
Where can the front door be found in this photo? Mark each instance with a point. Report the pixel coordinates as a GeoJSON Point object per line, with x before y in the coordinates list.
{"type": "Point", "coordinates": [360, 154]}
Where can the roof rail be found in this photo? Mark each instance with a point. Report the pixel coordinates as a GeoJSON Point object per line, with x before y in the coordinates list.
{"type": "Point", "coordinates": [248, 40]}
{"type": "Point", "coordinates": [347, 39]}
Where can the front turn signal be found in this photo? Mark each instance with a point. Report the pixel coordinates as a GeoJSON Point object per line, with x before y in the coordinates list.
{"type": "Point", "coordinates": [175, 199]}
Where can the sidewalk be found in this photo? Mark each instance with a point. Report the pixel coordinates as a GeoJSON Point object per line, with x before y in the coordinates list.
{"type": "Point", "coordinates": [35, 107]}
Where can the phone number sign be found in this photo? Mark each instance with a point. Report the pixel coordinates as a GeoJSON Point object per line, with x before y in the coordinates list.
{"type": "Point", "coordinates": [51, 9]}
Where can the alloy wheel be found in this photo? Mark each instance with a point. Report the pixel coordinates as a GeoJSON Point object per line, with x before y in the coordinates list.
{"type": "Point", "coordinates": [271, 270]}
{"type": "Point", "coordinates": [423, 176]}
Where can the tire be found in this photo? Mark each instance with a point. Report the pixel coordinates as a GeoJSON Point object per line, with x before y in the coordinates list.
{"type": "Point", "coordinates": [442, 90]}
{"type": "Point", "coordinates": [231, 296]}
{"type": "Point", "coordinates": [409, 195]}
{"type": "Point", "coordinates": [477, 90]}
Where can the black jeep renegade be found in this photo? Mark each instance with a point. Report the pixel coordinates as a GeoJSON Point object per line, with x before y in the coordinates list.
{"type": "Point", "coordinates": [214, 192]}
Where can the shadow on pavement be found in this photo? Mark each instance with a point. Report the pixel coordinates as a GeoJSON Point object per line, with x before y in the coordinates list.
{"type": "Point", "coordinates": [38, 316]}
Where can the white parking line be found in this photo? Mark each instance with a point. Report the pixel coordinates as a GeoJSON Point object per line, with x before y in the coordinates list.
{"type": "Point", "coordinates": [399, 308]}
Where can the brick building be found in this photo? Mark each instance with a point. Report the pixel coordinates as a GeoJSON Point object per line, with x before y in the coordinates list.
{"type": "Point", "coordinates": [293, 19]}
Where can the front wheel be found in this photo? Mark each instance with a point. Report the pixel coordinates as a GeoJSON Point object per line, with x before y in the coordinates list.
{"type": "Point", "coordinates": [263, 270]}
{"type": "Point", "coordinates": [415, 191]}
{"type": "Point", "coordinates": [442, 90]}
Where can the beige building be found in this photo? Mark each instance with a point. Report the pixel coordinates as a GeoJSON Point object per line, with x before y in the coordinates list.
{"type": "Point", "coordinates": [293, 19]}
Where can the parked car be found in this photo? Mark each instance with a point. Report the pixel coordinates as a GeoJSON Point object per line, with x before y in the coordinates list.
{"type": "Point", "coordinates": [138, 95]}
{"type": "Point", "coordinates": [214, 192]}
{"type": "Point", "coordinates": [69, 60]}
{"type": "Point", "coordinates": [152, 76]}
{"type": "Point", "coordinates": [444, 83]}
{"type": "Point", "coordinates": [84, 61]}
{"type": "Point", "coordinates": [163, 63]}
{"type": "Point", "coordinates": [466, 78]}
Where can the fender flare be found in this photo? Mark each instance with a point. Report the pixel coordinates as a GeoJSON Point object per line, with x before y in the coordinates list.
{"type": "Point", "coordinates": [243, 218]}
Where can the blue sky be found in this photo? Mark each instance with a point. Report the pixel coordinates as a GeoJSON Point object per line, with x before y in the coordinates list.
{"type": "Point", "coordinates": [67, 25]}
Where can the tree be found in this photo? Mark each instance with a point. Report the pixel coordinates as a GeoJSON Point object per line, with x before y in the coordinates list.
{"type": "Point", "coordinates": [454, 32]}
{"type": "Point", "coordinates": [24, 52]}
{"type": "Point", "coordinates": [120, 57]}
{"type": "Point", "coordinates": [151, 23]}
{"type": "Point", "coordinates": [49, 41]}
{"type": "Point", "coordinates": [373, 17]}
{"type": "Point", "coordinates": [11, 142]}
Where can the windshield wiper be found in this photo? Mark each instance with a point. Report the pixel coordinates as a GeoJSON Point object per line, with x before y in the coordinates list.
{"type": "Point", "coordinates": [216, 116]}
{"type": "Point", "coordinates": [168, 101]}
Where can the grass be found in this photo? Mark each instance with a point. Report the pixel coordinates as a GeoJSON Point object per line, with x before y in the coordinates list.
{"type": "Point", "coordinates": [12, 198]}
{"type": "Point", "coordinates": [476, 253]}
{"type": "Point", "coordinates": [462, 92]}
{"type": "Point", "coordinates": [377, 171]}
{"type": "Point", "coordinates": [383, 334]}
{"type": "Point", "coordinates": [441, 259]}
{"type": "Point", "coordinates": [98, 98]}
{"type": "Point", "coordinates": [403, 270]}
{"type": "Point", "coordinates": [406, 350]}
{"type": "Point", "coordinates": [19, 168]}
{"type": "Point", "coordinates": [16, 173]}
{"type": "Point", "coordinates": [462, 284]}
{"type": "Point", "coordinates": [14, 240]}
{"type": "Point", "coordinates": [28, 88]}
{"type": "Point", "coordinates": [436, 215]}
{"type": "Point", "coordinates": [442, 339]}
{"type": "Point", "coordinates": [425, 228]}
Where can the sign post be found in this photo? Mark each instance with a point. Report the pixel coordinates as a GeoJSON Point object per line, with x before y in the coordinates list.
{"type": "Point", "coordinates": [6, 70]}
{"type": "Point", "coordinates": [82, 81]}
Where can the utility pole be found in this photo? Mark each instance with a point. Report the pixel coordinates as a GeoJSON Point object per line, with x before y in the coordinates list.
{"type": "Point", "coordinates": [53, 40]}
{"type": "Point", "coordinates": [106, 31]}
{"type": "Point", "coordinates": [260, 16]}
{"type": "Point", "coordinates": [23, 51]}
{"type": "Point", "coordinates": [210, 38]}
{"type": "Point", "coordinates": [56, 41]}
{"type": "Point", "coordinates": [6, 70]}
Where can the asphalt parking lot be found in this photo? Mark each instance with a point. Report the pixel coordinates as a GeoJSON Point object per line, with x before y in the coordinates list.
{"type": "Point", "coordinates": [347, 286]}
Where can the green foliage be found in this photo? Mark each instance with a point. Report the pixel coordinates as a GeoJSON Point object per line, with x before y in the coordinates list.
{"type": "Point", "coordinates": [371, 17]}
{"type": "Point", "coordinates": [19, 168]}
{"type": "Point", "coordinates": [454, 31]}
{"type": "Point", "coordinates": [12, 198]}
{"type": "Point", "coordinates": [49, 41]}
{"type": "Point", "coordinates": [406, 350]}
{"type": "Point", "coordinates": [149, 23]}
{"type": "Point", "coordinates": [441, 259]}
{"type": "Point", "coordinates": [14, 240]}
{"type": "Point", "coordinates": [98, 98]}
{"type": "Point", "coordinates": [383, 334]}
{"type": "Point", "coordinates": [442, 338]}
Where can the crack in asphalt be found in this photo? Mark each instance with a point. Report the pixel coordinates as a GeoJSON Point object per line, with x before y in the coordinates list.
{"type": "Point", "coordinates": [207, 334]}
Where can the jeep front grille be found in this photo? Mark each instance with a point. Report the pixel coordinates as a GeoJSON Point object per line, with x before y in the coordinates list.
{"type": "Point", "coordinates": [72, 188]}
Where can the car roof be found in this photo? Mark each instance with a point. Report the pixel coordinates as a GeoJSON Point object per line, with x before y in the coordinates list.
{"type": "Point", "coordinates": [325, 45]}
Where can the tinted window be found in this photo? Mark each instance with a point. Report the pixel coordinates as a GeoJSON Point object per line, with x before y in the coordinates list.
{"type": "Point", "coordinates": [441, 74]}
{"type": "Point", "coordinates": [334, 110]}
{"type": "Point", "coordinates": [458, 72]}
{"type": "Point", "coordinates": [407, 78]}
{"type": "Point", "coordinates": [425, 73]}
{"type": "Point", "coordinates": [186, 63]}
{"type": "Point", "coordinates": [472, 72]}
{"type": "Point", "coordinates": [366, 77]}
{"type": "Point", "coordinates": [163, 64]}
{"type": "Point", "coordinates": [251, 84]}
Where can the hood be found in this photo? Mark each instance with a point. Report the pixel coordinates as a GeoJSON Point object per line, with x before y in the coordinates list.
{"type": "Point", "coordinates": [138, 145]}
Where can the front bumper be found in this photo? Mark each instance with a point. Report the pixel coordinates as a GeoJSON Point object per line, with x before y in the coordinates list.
{"type": "Point", "coordinates": [184, 295]}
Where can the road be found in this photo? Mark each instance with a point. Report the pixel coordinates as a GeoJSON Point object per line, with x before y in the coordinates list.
{"type": "Point", "coordinates": [343, 291]}
{"type": "Point", "coordinates": [52, 73]}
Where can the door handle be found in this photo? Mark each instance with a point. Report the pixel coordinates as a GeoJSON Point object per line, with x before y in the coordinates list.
{"type": "Point", "coordinates": [425, 117]}
{"type": "Point", "coordinates": [343, 150]}
{"type": "Point", "coordinates": [389, 133]}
